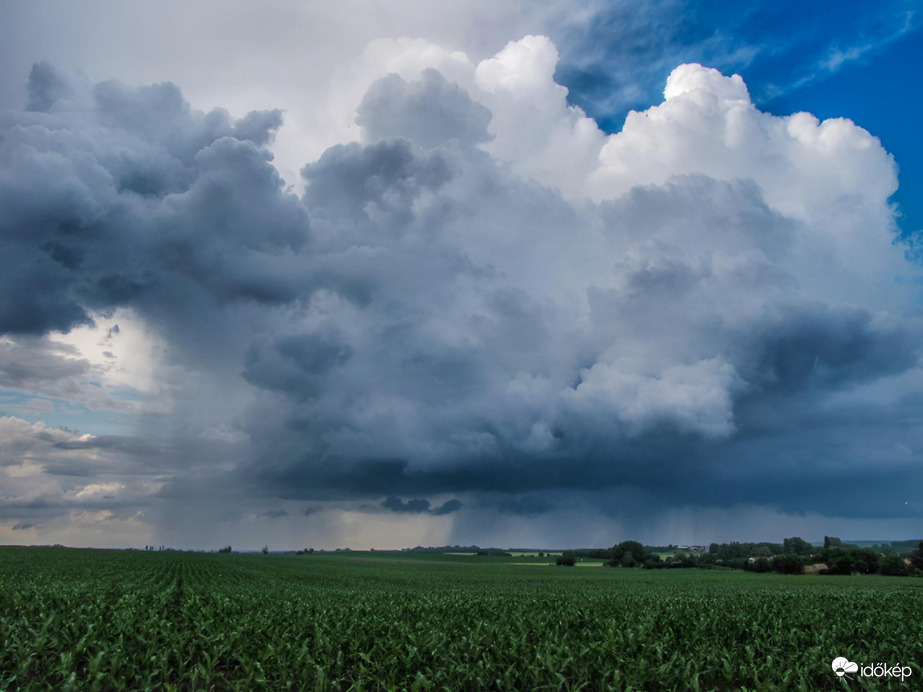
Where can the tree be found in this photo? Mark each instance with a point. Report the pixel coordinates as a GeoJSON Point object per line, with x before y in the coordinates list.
{"type": "Point", "coordinates": [866, 560]}
{"type": "Point", "coordinates": [798, 546]}
{"type": "Point", "coordinates": [843, 560]}
{"type": "Point", "coordinates": [787, 564]}
{"type": "Point", "coordinates": [893, 566]}
{"type": "Point", "coordinates": [761, 564]}
{"type": "Point", "coordinates": [916, 558]}
{"type": "Point", "coordinates": [681, 560]}
{"type": "Point", "coordinates": [633, 548]}
{"type": "Point", "coordinates": [838, 560]}
{"type": "Point", "coordinates": [653, 561]}
{"type": "Point", "coordinates": [566, 559]}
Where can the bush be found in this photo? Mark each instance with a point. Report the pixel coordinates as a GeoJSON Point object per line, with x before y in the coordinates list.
{"type": "Point", "coordinates": [867, 561]}
{"type": "Point", "coordinates": [681, 561]}
{"type": "Point", "coordinates": [849, 560]}
{"type": "Point", "coordinates": [653, 561]}
{"type": "Point", "coordinates": [761, 564]}
{"type": "Point", "coordinates": [787, 564]}
{"type": "Point", "coordinates": [894, 566]}
{"type": "Point", "coordinates": [567, 559]}
{"type": "Point", "coordinates": [916, 558]}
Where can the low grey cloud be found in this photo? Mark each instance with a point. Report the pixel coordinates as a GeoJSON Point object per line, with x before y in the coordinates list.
{"type": "Point", "coordinates": [524, 505]}
{"type": "Point", "coordinates": [448, 507]}
{"type": "Point", "coordinates": [33, 363]}
{"type": "Point", "coordinates": [421, 506]}
{"type": "Point", "coordinates": [273, 514]}
{"type": "Point", "coordinates": [121, 192]}
{"type": "Point", "coordinates": [415, 506]}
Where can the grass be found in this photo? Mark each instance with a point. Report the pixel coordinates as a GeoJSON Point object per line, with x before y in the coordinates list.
{"type": "Point", "coordinates": [108, 620]}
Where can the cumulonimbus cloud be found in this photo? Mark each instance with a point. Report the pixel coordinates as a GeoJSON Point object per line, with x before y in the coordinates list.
{"type": "Point", "coordinates": [445, 310]}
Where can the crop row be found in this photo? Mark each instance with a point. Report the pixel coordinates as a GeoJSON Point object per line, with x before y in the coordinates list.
{"type": "Point", "coordinates": [101, 621]}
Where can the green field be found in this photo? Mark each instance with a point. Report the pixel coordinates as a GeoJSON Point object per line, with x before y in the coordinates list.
{"type": "Point", "coordinates": [106, 620]}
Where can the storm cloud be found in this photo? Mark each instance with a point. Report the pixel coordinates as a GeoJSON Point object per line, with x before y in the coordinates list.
{"type": "Point", "coordinates": [421, 506]}
{"type": "Point", "coordinates": [483, 304]}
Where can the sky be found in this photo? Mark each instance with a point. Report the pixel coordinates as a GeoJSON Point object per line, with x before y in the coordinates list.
{"type": "Point", "coordinates": [521, 274]}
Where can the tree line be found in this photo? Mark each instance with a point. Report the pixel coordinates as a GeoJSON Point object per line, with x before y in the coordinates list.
{"type": "Point", "coordinates": [791, 556]}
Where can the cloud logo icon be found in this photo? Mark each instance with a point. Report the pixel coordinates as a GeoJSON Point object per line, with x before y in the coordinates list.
{"type": "Point", "coordinates": [841, 666]}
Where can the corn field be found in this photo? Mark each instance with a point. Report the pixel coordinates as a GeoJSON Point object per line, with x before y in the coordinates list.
{"type": "Point", "coordinates": [123, 620]}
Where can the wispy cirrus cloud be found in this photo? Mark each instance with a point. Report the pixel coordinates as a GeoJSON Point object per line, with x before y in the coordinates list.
{"type": "Point", "coordinates": [616, 55]}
